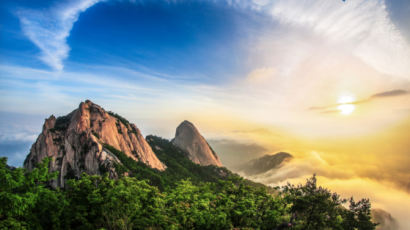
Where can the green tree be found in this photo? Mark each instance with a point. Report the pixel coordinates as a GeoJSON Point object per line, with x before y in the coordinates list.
{"type": "Point", "coordinates": [86, 198]}
{"type": "Point", "coordinates": [195, 207]}
{"type": "Point", "coordinates": [313, 207]}
{"type": "Point", "coordinates": [98, 202]}
{"type": "Point", "coordinates": [251, 207]}
{"type": "Point", "coordinates": [133, 204]}
{"type": "Point", "coordinates": [26, 199]}
{"type": "Point", "coordinates": [358, 216]}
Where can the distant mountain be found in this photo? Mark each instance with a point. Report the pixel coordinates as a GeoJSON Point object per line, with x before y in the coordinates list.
{"type": "Point", "coordinates": [188, 138]}
{"type": "Point", "coordinates": [76, 143]}
{"type": "Point", "coordinates": [384, 219]}
{"type": "Point", "coordinates": [265, 163]}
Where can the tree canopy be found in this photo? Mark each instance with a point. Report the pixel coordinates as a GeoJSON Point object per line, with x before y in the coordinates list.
{"type": "Point", "coordinates": [185, 196]}
{"type": "Point", "coordinates": [97, 202]}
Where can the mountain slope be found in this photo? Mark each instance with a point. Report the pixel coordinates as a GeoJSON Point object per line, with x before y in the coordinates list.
{"type": "Point", "coordinates": [179, 167]}
{"type": "Point", "coordinates": [75, 143]}
{"type": "Point", "coordinates": [188, 138]}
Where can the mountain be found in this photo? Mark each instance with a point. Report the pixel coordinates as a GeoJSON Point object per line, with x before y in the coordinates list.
{"type": "Point", "coordinates": [130, 187]}
{"type": "Point", "coordinates": [384, 219]}
{"type": "Point", "coordinates": [188, 138]}
{"type": "Point", "coordinates": [76, 143]}
{"type": "Point", "coordinates": [265, 163]}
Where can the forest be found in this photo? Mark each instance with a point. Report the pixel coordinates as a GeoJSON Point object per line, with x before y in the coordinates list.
{"type": "Point", "coordinates": [185, 196]}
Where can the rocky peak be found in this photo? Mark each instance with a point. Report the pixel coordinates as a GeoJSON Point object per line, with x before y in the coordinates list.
{"type": "Point", "coordinates": [49, 123]}
{"type": "Point", "coordinates": [188, 138]}
{"type": "Point", "coordinates": [75, 143]}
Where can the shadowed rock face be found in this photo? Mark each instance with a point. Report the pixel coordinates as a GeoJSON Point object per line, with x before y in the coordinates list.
{"type": "Point", "coordinates": [188, 138]}
{"type": "Point", "coordinates": [265, 163]}
{"type": "Point", "coordinates": [75, 143]}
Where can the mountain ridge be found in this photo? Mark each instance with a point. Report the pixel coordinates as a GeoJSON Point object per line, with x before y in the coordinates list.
{"type": "Point", "coordinates": [94, 141]}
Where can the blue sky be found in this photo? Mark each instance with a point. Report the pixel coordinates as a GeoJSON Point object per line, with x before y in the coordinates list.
{"type": "Point", "coordinates": [194, 40]}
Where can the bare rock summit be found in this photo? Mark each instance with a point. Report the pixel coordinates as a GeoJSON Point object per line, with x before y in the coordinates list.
{"type": "Point", "coordinates": [75, 143]}
{"type": "Point", "coordinates": [188, 138]}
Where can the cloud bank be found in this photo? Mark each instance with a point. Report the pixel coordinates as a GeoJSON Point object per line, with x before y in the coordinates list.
{"type": "Point", "coordinates": [353, 179]}
{"type": "Point", "coordinates": [17, 133]}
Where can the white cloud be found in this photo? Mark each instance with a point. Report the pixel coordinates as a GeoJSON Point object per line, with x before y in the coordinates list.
{"type": "Point", "coordinates": [48, 29]}
{"type": "Point", "coordinates": [361, 26]}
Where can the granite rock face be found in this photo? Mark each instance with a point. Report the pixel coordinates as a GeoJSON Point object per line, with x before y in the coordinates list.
{"type": "Point", "coordinates": [188, 138]}
{"type": "Point", "coordinates": [75, 143]}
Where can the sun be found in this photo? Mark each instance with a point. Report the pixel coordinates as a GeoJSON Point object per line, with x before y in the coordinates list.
{"type": "Point", "coordinates": [345, 104]}
{"type": "Point", "coordinates": [346, 109]}
{"type": "Point", "coordinates": [345, 99]}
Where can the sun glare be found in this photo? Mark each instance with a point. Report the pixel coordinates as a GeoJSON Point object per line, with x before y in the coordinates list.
{"type": "Point", "coordinates": [345, 99]}
{"type": "Point", "coordinates": [346, 109]}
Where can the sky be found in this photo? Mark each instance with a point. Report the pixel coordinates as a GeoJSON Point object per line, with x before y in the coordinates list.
{"type": "Point", "coordinates": [326, 80]}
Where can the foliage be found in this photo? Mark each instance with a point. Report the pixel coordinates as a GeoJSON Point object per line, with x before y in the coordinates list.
{"type": "Point", "coordinates": [26, 200]}
{"type": "Point", "coordinates": [315, 207]}
{"type": "Point", "coordinates": [97, 202]}
{"type": "Point", "coordinates": [179, 167]}
{"type": "Point", "coordinates": [120, 118]}
{"type": "Point", "coordinates": [136, 169]}
{"type": "Point", "coordinates": [222, 205]}
{"type": "Point", "coordinates": [62, 123]}
{"type": "Point", "coordinates": [358, 215]}
{"type": "Point", "coordinates": [95, 134]}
